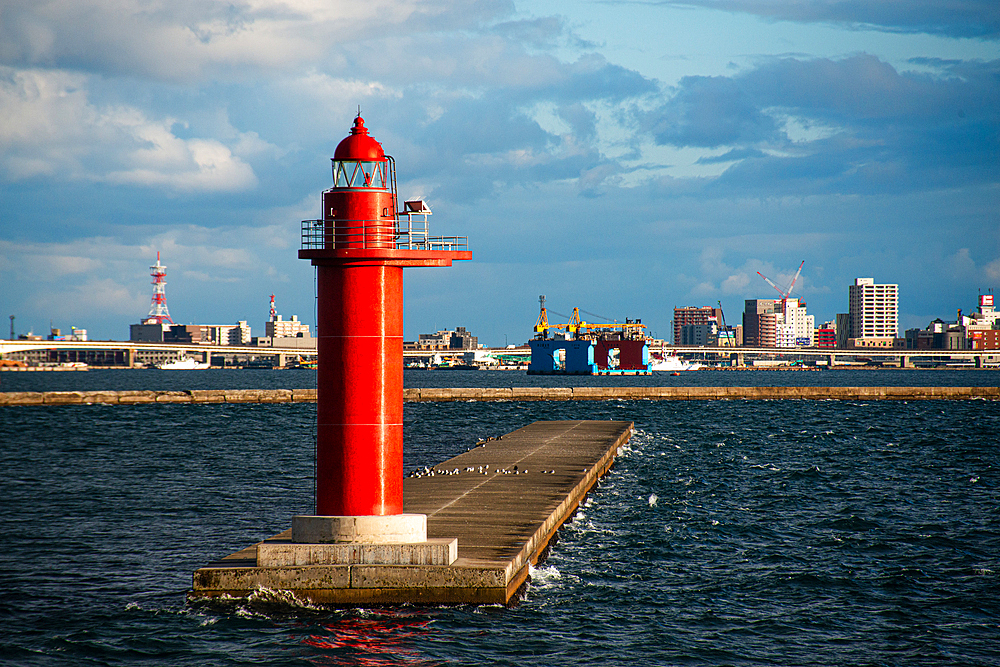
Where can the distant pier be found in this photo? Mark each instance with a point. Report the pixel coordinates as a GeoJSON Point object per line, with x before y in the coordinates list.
{"type": "Point", "coordinates": [508, 394]}
{"type": "Point", "coordinates": [503, 500]}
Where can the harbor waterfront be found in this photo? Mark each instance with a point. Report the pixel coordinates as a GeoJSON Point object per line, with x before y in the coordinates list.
{"type": "Point", "coordinates": [849, 532]}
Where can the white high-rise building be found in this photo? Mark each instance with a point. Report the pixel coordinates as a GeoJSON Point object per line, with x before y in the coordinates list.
{"type": "Point", "coordinates": [873, 309]}
{"type": "Point", "coordinates": [795, 327]}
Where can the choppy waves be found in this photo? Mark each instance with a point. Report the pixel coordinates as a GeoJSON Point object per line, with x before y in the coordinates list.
{"type": "Point", "coordinates": [770, 533]}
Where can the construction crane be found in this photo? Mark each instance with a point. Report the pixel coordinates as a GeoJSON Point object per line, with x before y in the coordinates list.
{"type": "Point", "coordinates": [725, 329]}
{"type": "Point", "coordinates": [785, 294]}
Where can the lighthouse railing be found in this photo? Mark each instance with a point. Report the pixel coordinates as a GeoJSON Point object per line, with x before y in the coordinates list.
{"type": "Point", "coordinates": [374, 234]}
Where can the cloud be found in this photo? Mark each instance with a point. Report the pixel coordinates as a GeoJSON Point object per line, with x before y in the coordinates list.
{"type": "Point", "coordinates": [184, 40]}
{"type": "Point", "coordinates": [966, 19]}
{"type": "Point", "coordinates": [992, 270]}
{"type": "Point", "coordinates": [52, 130]}
{"type": "Point", "coordinates": [883, 130]}
{"type": "Point", "coordinates": [711, 112]}
{"type": "Point", "coordinates": [732, 156]}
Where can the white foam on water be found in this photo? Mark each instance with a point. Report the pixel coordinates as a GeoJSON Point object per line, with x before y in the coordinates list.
{"type": "Point", "coordinates": [546, 576]}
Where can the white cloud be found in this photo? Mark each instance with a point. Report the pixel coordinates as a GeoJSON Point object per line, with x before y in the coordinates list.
{"type": "Point", "coordinates": [993, 269]}
{"type": "Point", "coordinates": [184, 39]}
{"type": "Point", "coordinates": [52, 129]}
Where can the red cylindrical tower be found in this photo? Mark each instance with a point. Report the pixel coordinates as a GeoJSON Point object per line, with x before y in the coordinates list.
{"type": "Point", "coordinates": [359, 451]}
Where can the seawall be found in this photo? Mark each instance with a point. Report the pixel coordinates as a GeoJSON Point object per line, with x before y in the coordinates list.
{"type": "Point", "coordinates": [509, 394]}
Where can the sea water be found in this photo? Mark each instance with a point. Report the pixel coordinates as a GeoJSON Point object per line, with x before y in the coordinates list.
{"type": "Point", "coordinates": [728, 532]}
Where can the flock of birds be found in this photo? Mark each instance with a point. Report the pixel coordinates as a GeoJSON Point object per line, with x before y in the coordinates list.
{"type": "Point", "coordinates": [480, 470]}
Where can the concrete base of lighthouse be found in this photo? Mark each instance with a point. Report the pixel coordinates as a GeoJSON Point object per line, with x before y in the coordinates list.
{"type": "Point", "coordinates": [397, 539]}
{"type": "Point", "coordinates": [371, 529]}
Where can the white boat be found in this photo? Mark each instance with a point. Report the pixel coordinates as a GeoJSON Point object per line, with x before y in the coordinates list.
{"type": "Point", "coordinates": [673, 363]}
{"type": "Point", "coordinates": [182, 364]}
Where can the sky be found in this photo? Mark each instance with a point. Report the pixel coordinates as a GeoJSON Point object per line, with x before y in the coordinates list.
{"type": "Point", "coordinates": [623, 157]}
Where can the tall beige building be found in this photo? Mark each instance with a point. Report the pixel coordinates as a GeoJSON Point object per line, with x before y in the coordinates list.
{"type": "Point", "coordinates": [873, 309]}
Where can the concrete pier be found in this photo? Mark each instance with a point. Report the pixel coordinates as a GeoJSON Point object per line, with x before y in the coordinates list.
{"type": "Point", "coordinates": [510, 394]}
{"type": "Point", "coordinates": [503, 501]}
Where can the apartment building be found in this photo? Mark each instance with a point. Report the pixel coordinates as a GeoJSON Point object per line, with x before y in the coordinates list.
{"type": "Point", "coordinates": [695, 315]}
{"type": "Point", "coordinates": [873, 309]}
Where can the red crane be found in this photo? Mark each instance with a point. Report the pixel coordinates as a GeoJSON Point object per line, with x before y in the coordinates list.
{"type": "Point", "coordinates": [785, 294]}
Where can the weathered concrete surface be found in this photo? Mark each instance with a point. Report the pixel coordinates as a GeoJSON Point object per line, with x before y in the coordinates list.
{"type": "Point", "coordinates": [278, 553]}
{"type": "Point", "coordinates": [407, 527]}
{"type": "Point", "coordinates": [503, 501]}
{"type": "Point", "coordinates": [512, 394]}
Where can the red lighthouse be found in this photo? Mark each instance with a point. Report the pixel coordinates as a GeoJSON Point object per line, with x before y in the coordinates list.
{"type": "Point", "coordinates": [360, 247]}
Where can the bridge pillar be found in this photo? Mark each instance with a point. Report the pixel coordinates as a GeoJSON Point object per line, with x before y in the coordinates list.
{"type": "Point", "coordinates": [831, 360]}
{"type": "Point", "coordinates": [979, 361]}
{"type": "Point", "coordinates": [737, 359]}
{"type": "Point", "coordinates": [130, 357]}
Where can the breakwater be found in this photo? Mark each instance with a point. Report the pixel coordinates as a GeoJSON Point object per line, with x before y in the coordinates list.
{"type": "Point", "coordinates": [500, 520]}
{"type": "Point", "coordinates": [425, 394]}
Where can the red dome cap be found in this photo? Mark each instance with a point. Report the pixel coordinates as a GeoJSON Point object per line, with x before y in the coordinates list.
{"type": "Point", "coordinates": [359, 146]}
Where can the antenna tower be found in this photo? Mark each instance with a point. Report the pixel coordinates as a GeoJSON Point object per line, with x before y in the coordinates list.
{"type": "Point", "coordinates": [274, 312]}
{"type": "Point", "coordinates": [158, 313]}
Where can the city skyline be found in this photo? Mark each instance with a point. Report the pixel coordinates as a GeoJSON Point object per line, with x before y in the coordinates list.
{"type": "Point", "coordinates": [625, 158]}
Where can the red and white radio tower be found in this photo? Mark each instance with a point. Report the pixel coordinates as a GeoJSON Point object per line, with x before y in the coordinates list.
{"type": "Point", "coordinates": [158, 313]}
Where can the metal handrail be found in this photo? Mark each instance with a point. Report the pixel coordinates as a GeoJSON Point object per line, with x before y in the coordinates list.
{"type": "Point", "coordinates": [375, 234]}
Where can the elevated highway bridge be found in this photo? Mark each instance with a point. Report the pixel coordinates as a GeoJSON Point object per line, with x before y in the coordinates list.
{"type": "Point", "coordinates": [742, 356]}
{"type": "Point", "coordinates": [125, 353]}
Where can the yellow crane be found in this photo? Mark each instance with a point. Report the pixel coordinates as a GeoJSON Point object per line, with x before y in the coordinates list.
{"type": "Point", "coordinates": [582, 329]}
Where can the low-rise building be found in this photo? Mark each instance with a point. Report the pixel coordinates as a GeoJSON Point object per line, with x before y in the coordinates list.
{"type": "Point", "coordinates": [985, 340]}
{"type": "Point", "coordinates": [459, 339]}
{"type": "Point", "coordinates": [279, 328]}
{"type": "Point", "coordinates": [826, 335]}
{"type": "Point", "coordinates": [876, 342]}
{"type": "Point", "coordinates": [700, 334]}
{"type": "Point", "coordinates": [148, 332]}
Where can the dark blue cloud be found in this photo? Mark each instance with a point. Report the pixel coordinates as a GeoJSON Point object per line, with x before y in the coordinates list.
{"type": "Point", "coordinates": [593, 78]}
{"type": "Point", "coordinates": [710, 112]}
{"type": "Point", "coordinates": [481, 144]}
{"type": "Point", "coordinates": [880, 129]}
{"type": "Point", "coordinates": [968, 18]}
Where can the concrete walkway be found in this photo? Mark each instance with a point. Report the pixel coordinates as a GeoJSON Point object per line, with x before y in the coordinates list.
{"type": "Point", "coordinates": [504, 500]}
{"type": "Point", "coordinates": [509, 394]}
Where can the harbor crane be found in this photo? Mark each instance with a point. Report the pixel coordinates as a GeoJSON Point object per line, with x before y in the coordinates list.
{"type": "Point", "coordinates": [542, 323]}
{"type": "Point", "coordinates": [581, 329]}
{"type": "Point", "coordinates": [785, 294]}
